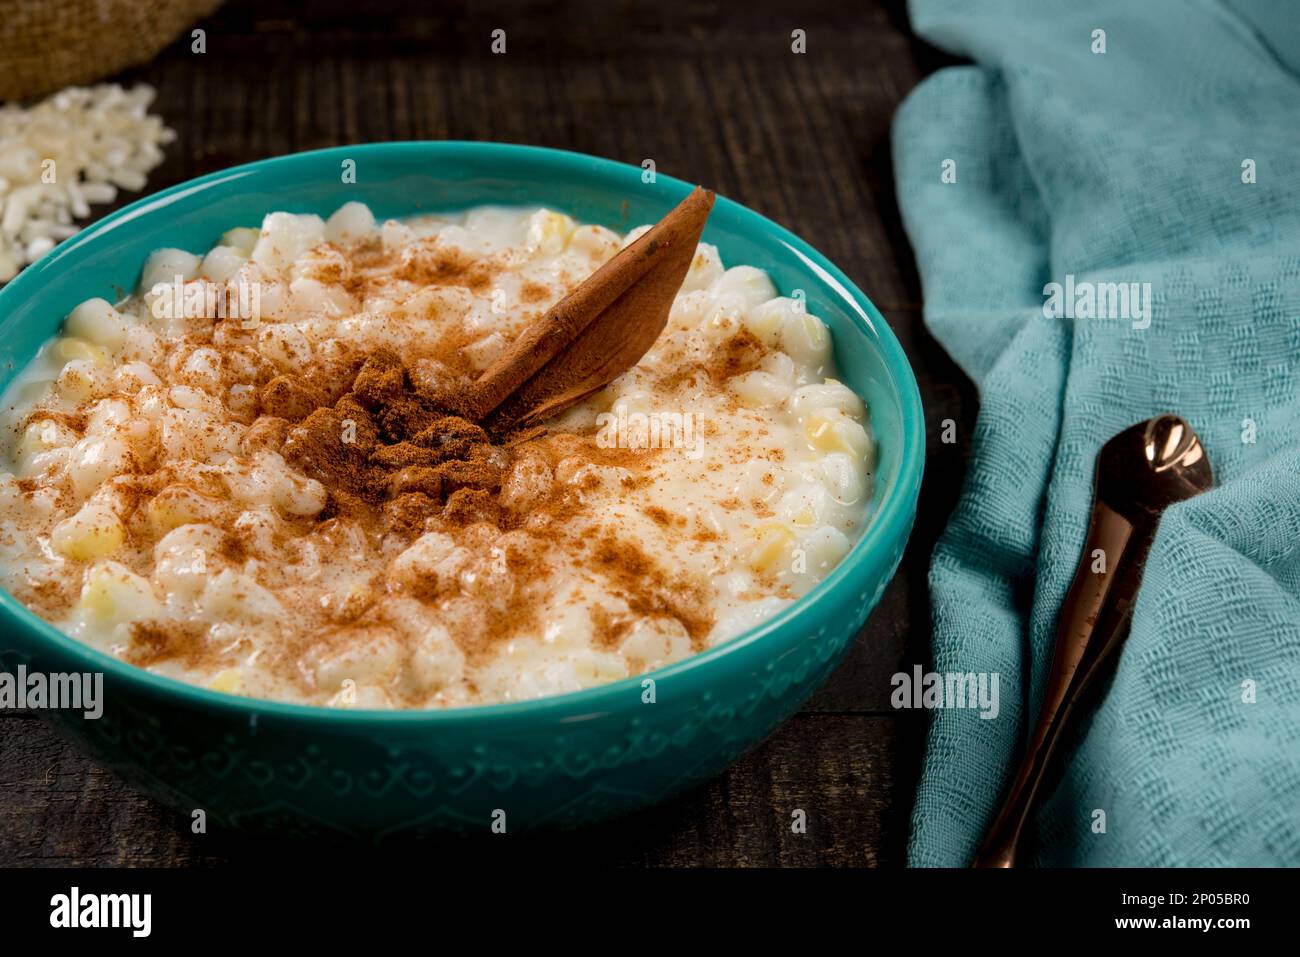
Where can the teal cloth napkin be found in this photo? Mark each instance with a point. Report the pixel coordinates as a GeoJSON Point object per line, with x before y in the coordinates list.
{"type": "Point", "coordinates": [1129, 165]}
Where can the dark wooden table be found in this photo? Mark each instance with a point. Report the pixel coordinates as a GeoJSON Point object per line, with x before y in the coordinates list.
{"type": "Point", "coordinates": [712, 93]}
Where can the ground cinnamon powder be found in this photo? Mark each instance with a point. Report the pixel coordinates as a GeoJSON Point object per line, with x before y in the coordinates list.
{"type": "Point", "coordinates": [388, 451]}
{"type": "Point", "coordinates": [387, 447]}
{"type": "Point", "coordinates": [649, 590]}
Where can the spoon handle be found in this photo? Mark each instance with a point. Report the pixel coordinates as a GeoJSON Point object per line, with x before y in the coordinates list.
{"type": "Point", "coordinates": [1090, 628]}
{"type": "Point", "coordinates": [1140, 472]}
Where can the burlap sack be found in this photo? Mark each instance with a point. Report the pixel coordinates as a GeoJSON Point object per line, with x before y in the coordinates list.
{"type": "Point", "coordinates": [46, 45]}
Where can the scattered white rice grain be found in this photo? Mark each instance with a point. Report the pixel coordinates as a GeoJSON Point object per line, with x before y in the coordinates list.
{"type": "Point", "coordinates": [38, 248]}
{"type": "Point", "coordinates": [128, 179]}
{"type": "Point", "coordinates": [98, 138]}
{"type": "Point", "coordinates": [99, 192]}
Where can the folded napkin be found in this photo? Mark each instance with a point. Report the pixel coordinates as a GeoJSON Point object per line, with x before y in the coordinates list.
{"type": "Point", "coordinates": [1169, 159]}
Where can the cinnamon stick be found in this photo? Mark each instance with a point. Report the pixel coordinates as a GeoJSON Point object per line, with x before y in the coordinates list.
{"type": "Point", "coordinates": [596, 332]}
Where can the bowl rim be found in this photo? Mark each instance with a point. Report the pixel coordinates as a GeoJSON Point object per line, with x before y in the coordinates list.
{"type": "Point", "coordinates": [890, 522]}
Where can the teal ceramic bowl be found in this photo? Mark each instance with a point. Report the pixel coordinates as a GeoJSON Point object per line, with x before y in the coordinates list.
{"type": "Point", "coordinates": [564, 760]}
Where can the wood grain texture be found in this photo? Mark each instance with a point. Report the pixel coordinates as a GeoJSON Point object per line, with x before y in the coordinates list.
{"type": "Point", "coordinates": [850, 774]}
{"type": "Point", "coordinates": [713, 94]}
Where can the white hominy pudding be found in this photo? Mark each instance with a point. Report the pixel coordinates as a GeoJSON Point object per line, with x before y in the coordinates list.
{"type": "Point", "coordinates": [278, 506]}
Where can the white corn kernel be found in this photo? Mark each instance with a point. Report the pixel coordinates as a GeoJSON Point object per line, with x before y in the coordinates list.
{"type": "Point", "coordinates": [549, 232]}
{"type": "Point", "coordinates": [830, 430]}
{"type": "Point", "coordinates": [371, 656]}
{"type": "Point", "coordinates": [765, 320]}
{"type": "Point", "coordinates": [134, 376]}
{"type": "Point", "coordinates": [95, 320]}
{"type": "Point", "coordinates": [829, 394]}
{"type": "Point", "coordinates": [232, 596]}
{"type": "Point", "coordinates": [198, 435]}
{"type": "Point", "coordinates": [228, 680]}
{"type": "Point", "coordinates": [41, 435]}
{"type": "Point", "coordinates": [705, 269]}
{"type": "Point", "coordinates": [164, 265]}
{"type": "Point", "coordinates": [178, 505]}
{"type": "Point", "coordinates": [350, 223]}
{"type": "Point", "coordinates": [241, 239]}
{"type": "Point", "coordinates": [284, 345]}
{"type": "Point", "coordinates": [772, 543]}
{"type": "Point", "coordinates": [654, 642]}
{"type": "Point", "coordinates": [806, 340]}
{"type": "Point", "coordinates": [82, 380]}
{"type": "Point", "coordinates": [285, 237]}
{"type": "Point", "coordinates": [758, 388]}
{"type": "Point", "coordinates": [93, 532]}
{"type": "Point", "coordinates": [436, 660]}
{"type": "Point", "coordinates": [296, 495]}
{"type": "Point", "coordinates": [221, 263]}
{"type": "Point", "coordinates": [485, 351]}
{"type": "Point", "coordinates": [141, 345]}
{"type": "Point", "coordinates": [743, 286]}
{"type": "Point", "coordinates": [113, 594]}
{"type": "Point", "coordinates": [433, 558]}
{"type": "Point", "coordinates": [806, 505]}
{"type": "Point", "coordinates": [845, 477]}
{"type": "Point", "coordinates": [185, 557]}
{"type": "Point", "coordinates": [823, 548]}
{"type": "Point", "coordinates": [94, 460]}
{"type": "Point", "coordinates": [70, 348]}
{"type": "Point", "coordinates": [596, 242]}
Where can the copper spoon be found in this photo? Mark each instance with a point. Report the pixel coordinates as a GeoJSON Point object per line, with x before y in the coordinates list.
{"type": "Point", "coordinates": [1140, 472]}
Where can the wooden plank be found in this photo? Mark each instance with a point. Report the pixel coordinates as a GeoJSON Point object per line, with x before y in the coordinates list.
{"type": "Point", "coordinates": [715, 97]}
{"type": "Point", "coordinates": [849, 774]}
